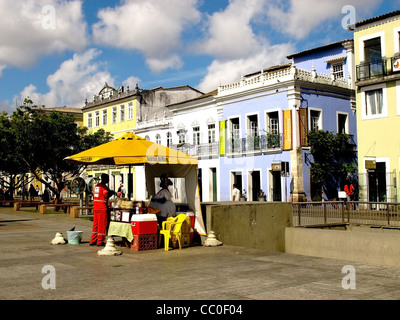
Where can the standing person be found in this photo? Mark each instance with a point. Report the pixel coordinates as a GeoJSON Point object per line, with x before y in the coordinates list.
{"type": "Point", "coordinates": [235, 193]}
{"type": "Point", "coordinates": [121, 191]}
{"type": "Point", "coordinates": [101, 195]}
{"type": "Point", "coordinates": [32, 192]}
{"type": "Point", "coordinates": [46, 195]}
{"type": "Point", "coordinates": [349, 188]}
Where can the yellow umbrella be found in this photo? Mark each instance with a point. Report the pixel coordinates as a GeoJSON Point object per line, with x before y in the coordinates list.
{"type": "Point", "coordinates": [131, 149]}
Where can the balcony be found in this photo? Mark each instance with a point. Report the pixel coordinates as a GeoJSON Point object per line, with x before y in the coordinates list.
{"type": "Point", "coordinates": [376, 71]}
{"type": "Point", "coordinates": [254, 144]}
{"type": "Point", "coordinates": [205, 150]}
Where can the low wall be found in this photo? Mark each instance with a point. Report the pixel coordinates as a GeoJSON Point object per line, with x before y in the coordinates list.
{"type": "Point", "coordinates": [358, 244]}
{"type": "Point", "coordinates": [250, 224]}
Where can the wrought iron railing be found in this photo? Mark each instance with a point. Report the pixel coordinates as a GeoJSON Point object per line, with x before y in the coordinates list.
{"type": "Point", "coordinates": [313, 214]}
{"type": "Point", "coordinates": [262, 143]}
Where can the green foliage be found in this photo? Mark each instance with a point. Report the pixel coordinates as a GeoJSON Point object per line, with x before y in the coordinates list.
{"type": "Point", "coordinates": [333, 157]}
{"type": "Point", "coordinates": [35, 141]}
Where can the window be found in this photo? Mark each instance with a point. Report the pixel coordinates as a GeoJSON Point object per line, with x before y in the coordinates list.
{"type": "Point", "coordinates": [158, 139]}
{"type": "Point", "coordinates": [342, 123]}
{"type": "Point", "coordinates": [182, 136]}
{"type": "Point", "coordinates": [273, 122]}
{"type": "Point", "coordinates": [374, 102]}
{"type": "Point", "coordinates": [90, 120]}
{"type": "Point", "coordinates": [315, 120]}
{"type": "Point", "coordinates": [372, 50]}
{"type": "Point", "coordinates": [235, 128]}
{"type": "Point", "coordinates": [105, 115]}
{"type": "Point", "coordinates": [337, 70]}
{"type": "Point", "coordinates": [252, 122]}
{"type": "Point", "coordinates": [97, 118]}
{"type": "Point", "coordinates": [235, 141]}
{"type": "Point", "coordinates": [169, 139]}
{"type": "Point", "coordinates": [196, 136]}
{"type": "Point", "coordinates": [211, 133]}
{"type": "Point", "coordinates": [114, 114]}
{"type": "Point", "coordinates": [130, 111]}
{"type": "Point", "coordinates": [122, 113]}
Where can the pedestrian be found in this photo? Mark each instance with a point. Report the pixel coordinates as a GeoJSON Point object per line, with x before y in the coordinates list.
{"type": "Point", "coordinates": [235, 193]}
{"type": "Point", "coordinates": [46, 195]}
{"type": "Point", "coordinates": [121, 191]}
{"type": "Point", "coordinates": [349, 188]}
{"type": "Point", "coordinates": [101, 195]}
{"type": "Point", "coordinates": [37, 191]}
{"type": "Point", "coordinates": [32, 192]}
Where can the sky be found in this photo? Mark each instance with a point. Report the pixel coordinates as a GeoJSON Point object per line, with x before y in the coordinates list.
{"type": "Point", "coordinates": [60, 53]}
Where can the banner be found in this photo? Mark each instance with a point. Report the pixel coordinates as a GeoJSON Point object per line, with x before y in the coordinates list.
{"type": "Point", "coordinates": [287, 130]}
{"type": "Point", "coordinates": [222, 137]}
{"type": "Point", "coordinates": [303, 127]}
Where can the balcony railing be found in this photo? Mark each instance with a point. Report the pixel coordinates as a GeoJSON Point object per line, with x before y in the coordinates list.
{"type": "Point", "coordinates": [201, 150]}
{"type": "Point", "coordinates": [369, 70]}
{"type": "Point", "coordinates": [264, 143]}
{"type": "Point", "coordinates": [379, 68]}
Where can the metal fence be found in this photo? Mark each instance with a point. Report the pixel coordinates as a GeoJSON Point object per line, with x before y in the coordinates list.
{"type": "Point", "coordinates": [314, 214]}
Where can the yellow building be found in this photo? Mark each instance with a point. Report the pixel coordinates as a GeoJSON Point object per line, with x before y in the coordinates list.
{"type": "Point", "coordinates": [377, 60]}
{"type": "Point", "coordinates": [113, 110]}
{"type": "Point", "coordinates": [122, 110]}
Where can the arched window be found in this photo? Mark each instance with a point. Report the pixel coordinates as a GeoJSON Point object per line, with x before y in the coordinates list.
{"type": "Point", "coordinates": [169, 139]}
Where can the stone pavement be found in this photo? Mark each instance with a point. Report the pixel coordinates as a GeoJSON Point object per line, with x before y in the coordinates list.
{"type": "Point", "coordinates": [195, 273]}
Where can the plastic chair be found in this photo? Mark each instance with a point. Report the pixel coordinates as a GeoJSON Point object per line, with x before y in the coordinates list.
{"type": "Point", "coordinates": [173, 226]}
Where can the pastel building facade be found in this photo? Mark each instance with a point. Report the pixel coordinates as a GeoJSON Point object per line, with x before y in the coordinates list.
{"type": "Point", "coordinates": [377, 64]}
{"type": "Point", "coordinates": [266, 117]}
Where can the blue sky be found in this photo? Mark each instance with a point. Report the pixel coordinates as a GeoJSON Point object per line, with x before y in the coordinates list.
{"type": "Point", "coordinates": [60, 53]}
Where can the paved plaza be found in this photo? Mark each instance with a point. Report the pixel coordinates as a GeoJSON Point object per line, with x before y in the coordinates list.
{"type": "Point", "coordinates": [196, 273]}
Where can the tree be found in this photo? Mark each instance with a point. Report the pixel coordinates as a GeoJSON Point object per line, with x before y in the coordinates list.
{"type": "Point", "coordinates": [334, 158]}
{"type": "Point", "coordinates": [12, 169]}
{"type": "Point", "coordinates": [43, 140]}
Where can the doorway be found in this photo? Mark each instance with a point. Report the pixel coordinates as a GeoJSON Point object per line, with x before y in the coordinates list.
{"type": "Point", "coordinates": [237, 179]}
{"type": "Point", "coordinates": [213, 184]}
{"type": "Point", "coordinates": [377, 183]}
{"type": "Point", "coordinates": [276, 186]}
{"type": "Point", "coordinates": [254, 185]}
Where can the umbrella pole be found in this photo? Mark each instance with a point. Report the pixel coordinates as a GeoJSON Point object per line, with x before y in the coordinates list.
{"type": "Point", "coordinates": [130, 183]}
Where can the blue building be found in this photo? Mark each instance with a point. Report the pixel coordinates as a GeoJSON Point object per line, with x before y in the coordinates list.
{"type": "Point", "coordinates": [267, 115]}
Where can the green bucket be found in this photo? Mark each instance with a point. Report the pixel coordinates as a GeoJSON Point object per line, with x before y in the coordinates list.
{"type": "Point", "coordinates": [74, 237]}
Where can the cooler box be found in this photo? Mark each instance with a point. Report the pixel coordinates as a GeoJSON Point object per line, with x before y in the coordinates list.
{"type": "Point", "coordinates": [144, 224]}
{"type": "Point", "coordinates": [191, 215]}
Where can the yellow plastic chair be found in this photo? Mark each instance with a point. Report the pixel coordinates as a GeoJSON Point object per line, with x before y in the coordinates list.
{"type": "Point", "coordinates": [173, 226]}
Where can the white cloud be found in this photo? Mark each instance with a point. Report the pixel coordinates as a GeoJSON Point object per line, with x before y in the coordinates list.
{"type": "Point", "coordinates": [31, 29]}
{"type": "Point", "coordinates": [229, 33]}
{"type": "Point", "coordinates": [227, 71]}
{"type": "Point", "coordinates": [236, 44]}
{"type": "Point", "coordinates": [152, 27]}
{"type": "Point", "coordinates": [76, 79]}
{"type": "Point", "coordinates": [299, 18]}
